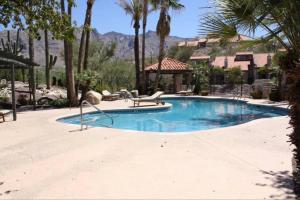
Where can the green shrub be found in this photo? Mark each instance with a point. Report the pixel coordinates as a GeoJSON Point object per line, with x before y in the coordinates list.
{"type": "Point", "coordinates": [275, 95]}
{"type": "Point", "coordinates": [59, 103]}
{"type": "Point", "coordinates": [201, 77]}
{"type": "Point", "coordinates": [263, 72]}
{"type": "Point", "coordinates": [204, 93]}
{"type": "Point", "coordinates": [22, 99]}
{"type": "Point", "coordinates": [234, 76]}
{"type": "Point", "coordinates": [256, 95]}
{"type": "Point", "coordinates": [217, 75]}
{"type": "Point", "coordinates": [182, 54]}
{"type": "Point", "coordinates": [4, 99]}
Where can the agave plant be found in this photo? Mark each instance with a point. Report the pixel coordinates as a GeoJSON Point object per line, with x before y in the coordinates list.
{"type": "Point", "coordinates": [280, 20]}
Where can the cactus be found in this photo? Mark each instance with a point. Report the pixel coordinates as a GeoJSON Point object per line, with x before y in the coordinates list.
{"type": "Point", "coordinates": [52, 61]}
{"type": "Point", "coordinates": [10, 46]}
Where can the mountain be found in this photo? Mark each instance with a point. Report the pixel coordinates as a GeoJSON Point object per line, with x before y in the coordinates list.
{"type": "Point", "coordinates": [124, 50]}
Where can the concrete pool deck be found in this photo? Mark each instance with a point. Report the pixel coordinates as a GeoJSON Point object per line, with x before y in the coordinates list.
{"type": "Point", "coordinates": [43, 158]}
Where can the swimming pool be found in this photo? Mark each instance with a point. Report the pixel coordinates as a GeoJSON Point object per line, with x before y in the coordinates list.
{"type": "Point", "coordinates": [186, 114]}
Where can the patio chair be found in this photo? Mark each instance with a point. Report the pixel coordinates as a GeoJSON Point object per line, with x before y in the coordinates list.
{"type": "Point", "coordinates": [109, 96]}
{"type": "Point", "coordinates": [155, 98]}
{"type": "Point", "coordinates": [3, 113]}
{"type": "Point", "coordinates": [125, 94]}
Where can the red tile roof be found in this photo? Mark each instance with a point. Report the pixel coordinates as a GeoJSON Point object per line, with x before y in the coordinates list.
{"type": "Point", "coordinates": [169, 64]}
{"type": "Point", "coordinates": [220, 62]}
{"type": "Point", "coordinates": [194, 43]}
{"type": "Point", "coordinates": [260, 60]}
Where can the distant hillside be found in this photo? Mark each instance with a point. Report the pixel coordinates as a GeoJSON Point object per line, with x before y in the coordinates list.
{"type": "Point", "coordinates": [124, 49]}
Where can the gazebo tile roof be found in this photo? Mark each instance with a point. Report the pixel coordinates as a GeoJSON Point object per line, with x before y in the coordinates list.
{"type": "Point", "coordinates": [169, 64]}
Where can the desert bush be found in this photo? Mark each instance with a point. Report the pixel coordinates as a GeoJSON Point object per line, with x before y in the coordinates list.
{"type": "Point", "coordinates": [201, 77]}
{"type": "Point", "coordinates": [204, 93]}
{"type": "Point", "coordinates": [217, 75]}
{"type": "Point", "coordinates": [257, 94]}
{"type": "Point", "coordinates": [234, 76]}
{"type": "Point", "coordinates": [263, 72]}
{"type": "Point", "coordinates": [4, 99]}
{"type": "Point", "coordinates": [22, 99]}
{"type": "Point", "coordinates": [182, 54]}
{"type": "Point", "coordinates": [275, 95]}
{"type": "Point", "coordinates": [59, 103]}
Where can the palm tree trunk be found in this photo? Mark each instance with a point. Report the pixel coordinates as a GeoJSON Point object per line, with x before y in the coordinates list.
{"type": "Point", "coordinates": [136, 55]}
{"type": "Point", "coordinates": [68, 50]}
{"type": "Point", "coordinates": [81, 51]}
{"type": "Point", "coordinates": [82, 48]}
{"type": "Point", "coordinates": [145, 15]}
{"type": "Point", "coordinates": [47, 59]}
{"type": "Point", "coordinates": [88, 34]}
{"type": "Point", "coordinates": [87, 45]}
{"type": "Point", "coordinates": [294, 102]}
{"type": "Point", "coordinates": [160, 59]}
{"type": "Point", "coordinates": [79, 64]}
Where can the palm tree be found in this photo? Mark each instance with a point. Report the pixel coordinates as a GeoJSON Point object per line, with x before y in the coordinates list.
{"type": "Point", "coordinates": [68, 53]}
{"type": "Point", "coordinates": [145, 17]}
{"type": "Point", "coordinates": [84, 44]}
{"type": "Point", "coordinates": [135, 9]}
{"type": "Point", "coordinates": [281, 21]}
{"type": "Point", "coordinates": [163, 29]}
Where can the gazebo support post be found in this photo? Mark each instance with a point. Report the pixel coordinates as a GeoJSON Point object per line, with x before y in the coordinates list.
{"type": "Point", "coordinates": [33, 88]}
{"type": "Point", "coordinates": [13, 93]}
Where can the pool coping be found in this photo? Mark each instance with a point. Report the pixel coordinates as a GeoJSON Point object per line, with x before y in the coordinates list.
{"type": "Point", "coordinates": [168, 106]}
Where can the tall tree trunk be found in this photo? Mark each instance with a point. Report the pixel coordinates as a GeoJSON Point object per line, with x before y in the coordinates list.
{"type": "Point", "coordinates": [68, 50]}
{"type": "Point", "coordinates": [88, 33]}
{"type": "Point", "coordinates": [145, 16]}
{"type": "Point", "coordinates": [32, 70]}
{"type": "Point", "coordinates": [136, 55]}
{"type": "Point", "coordinates": [160, 59]}
{"type": "Point", "coordinates": [17, 51]}
{"type": "Point", "coordinates": [47, 59]}
{"type": "Point", "coordinates": [82, 47]}
{"type": "Point", "coordinates": [293, 82]}
{"type": "Point", "coordinates": [87, 44]}
{"type": "Point", "coordinates": [80, 54]}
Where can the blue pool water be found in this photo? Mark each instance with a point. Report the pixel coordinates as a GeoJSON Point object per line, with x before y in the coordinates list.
{"type": "Point", "coordinates": [185, 115]}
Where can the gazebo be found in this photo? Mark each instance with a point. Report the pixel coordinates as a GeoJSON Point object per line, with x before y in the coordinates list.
{"type": "Point", "coordinates": [176, 75]}
{"type": "Point", "coordinates": [11, 61]}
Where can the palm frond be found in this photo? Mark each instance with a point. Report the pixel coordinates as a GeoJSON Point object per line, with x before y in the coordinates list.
{"type": "Point", "coordinates": [127, 6]}
{"type": "Point", "coordinates": [134, 8]}
{"type": "Point", "coordinates": [216, 26]}
{"type": "Point", "coordinates": [175, 5]}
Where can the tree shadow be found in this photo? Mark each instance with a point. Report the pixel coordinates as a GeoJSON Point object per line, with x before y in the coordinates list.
{"type": "Point", "coordinates": [281, 180]}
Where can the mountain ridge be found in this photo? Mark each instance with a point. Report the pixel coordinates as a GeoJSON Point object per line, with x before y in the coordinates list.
{"type": "Point", "coordinates": [124, 50]}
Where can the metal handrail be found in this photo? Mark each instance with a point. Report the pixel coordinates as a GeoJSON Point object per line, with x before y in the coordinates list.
{"type": "Point", "coordinates": [91, 105]}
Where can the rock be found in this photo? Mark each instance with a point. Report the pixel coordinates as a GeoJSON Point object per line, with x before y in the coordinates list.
{"type": "Point", "coordinates": [93, 97]}
{"type": "Point", "coordinates": [3, 82]}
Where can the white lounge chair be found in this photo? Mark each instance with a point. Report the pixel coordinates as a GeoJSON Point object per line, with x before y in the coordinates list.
{"type": "Point", "coordinates": [109, 96]}
{"type": "Point", "coordinates": [155, 98]}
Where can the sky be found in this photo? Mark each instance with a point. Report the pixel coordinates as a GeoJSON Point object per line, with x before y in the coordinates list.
{"type": "Point", "coordinates": [109, 16]}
